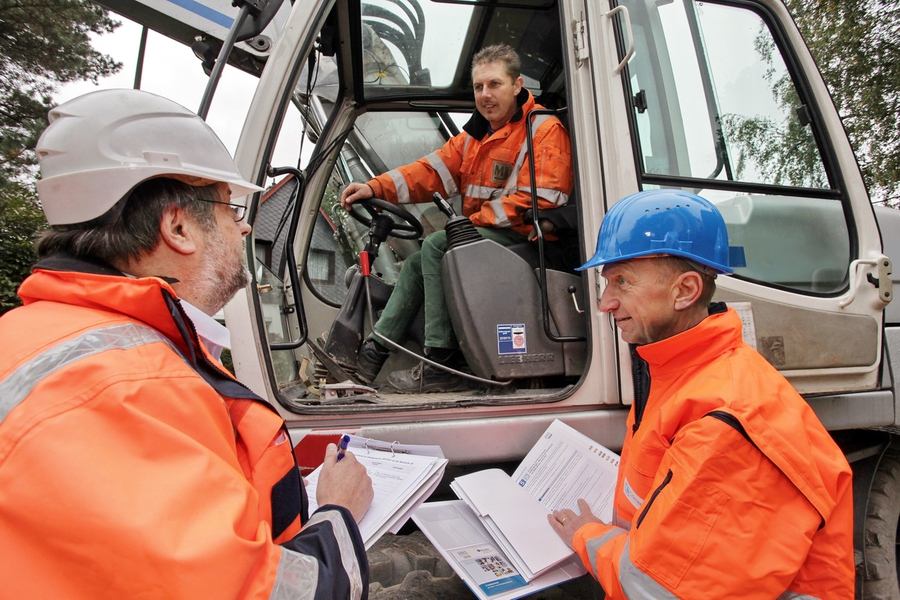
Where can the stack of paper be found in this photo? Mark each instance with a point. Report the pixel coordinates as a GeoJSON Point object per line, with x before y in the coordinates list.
{"type": "Point", "coordinates": [403, 476]}
{"type": "Point", "coordinates": [511, 512]}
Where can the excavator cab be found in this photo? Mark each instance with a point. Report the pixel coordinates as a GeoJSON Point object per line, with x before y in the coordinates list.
{"type": "Point", "coordinates": [515, 310]}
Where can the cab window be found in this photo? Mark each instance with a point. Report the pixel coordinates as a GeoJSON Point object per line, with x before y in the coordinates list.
{"type": "Point", "coordinates": [718, 111]}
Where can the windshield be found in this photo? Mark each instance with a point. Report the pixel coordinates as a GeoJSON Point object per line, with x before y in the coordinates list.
{"type": "Point", "coordinates": [429, 45]}
{"type": "Point", "coordinates": [390, 96]}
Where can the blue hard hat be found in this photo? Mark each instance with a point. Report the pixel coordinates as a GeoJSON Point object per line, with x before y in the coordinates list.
{"type": "Point", "coordinates": [671, 222]}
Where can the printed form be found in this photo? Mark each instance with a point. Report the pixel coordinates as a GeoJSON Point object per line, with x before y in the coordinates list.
{"type": "Point", "coordinates": [401, 481]}
{"type": "Point", "coordinates": [565, 465]}
{"type": "Point", "coordinates": [462, 540]}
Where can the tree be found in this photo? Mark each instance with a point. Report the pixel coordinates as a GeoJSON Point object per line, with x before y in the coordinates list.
{"type": "Point", "coordinates": [20, 220]}
{"type": "Point", "coordinates": [856, 44]}
{"type": "Point", "coordinates": [43, 43]}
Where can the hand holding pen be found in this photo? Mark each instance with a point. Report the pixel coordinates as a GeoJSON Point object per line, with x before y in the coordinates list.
{"type": "Point", "coordinates": [342, 446]}
{"type": "Point", "coordinates": [344, 482]}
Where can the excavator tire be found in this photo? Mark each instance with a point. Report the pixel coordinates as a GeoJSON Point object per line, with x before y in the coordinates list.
{"type": "Point", "coordinates": [882, 519]}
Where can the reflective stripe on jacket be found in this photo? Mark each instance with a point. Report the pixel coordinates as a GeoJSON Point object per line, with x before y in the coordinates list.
{"type": "Point", "coordinates": [490, 170]}
{"type": "Point", "coordinates": [728, 487]}
{"type": "Point", "coordinates": [133, 465]}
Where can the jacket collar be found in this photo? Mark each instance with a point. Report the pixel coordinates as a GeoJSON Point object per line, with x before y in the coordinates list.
{"type": "Point", "coordinates": [64, 262]}
{"type": "Point", "coordinates": [717, 333]}
{"type": "Point", "coordinates": [68, 280]}
{"type": "Point", "coordinates": [478, 126]}
{"type": "Point", "coordinates": [151, 300]}
{"type": "Point", "coordinates": [694, 346]}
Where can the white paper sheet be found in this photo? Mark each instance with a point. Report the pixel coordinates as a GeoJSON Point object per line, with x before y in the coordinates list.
{"type": "Point", "coordinates": [401, 480]}
{"type": "Point", "coordinates": [565, 465]}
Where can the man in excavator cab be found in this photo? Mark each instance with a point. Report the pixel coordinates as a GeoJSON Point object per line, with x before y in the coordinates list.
{"type": "Point", "coordinates": [488, 165]}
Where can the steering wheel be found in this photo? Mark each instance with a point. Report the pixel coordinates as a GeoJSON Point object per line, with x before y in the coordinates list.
{"type": "Point", "coordinates": [409, 229]}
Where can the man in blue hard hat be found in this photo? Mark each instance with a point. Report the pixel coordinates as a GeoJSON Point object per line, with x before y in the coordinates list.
{"type": "Point", "coordinates": [727, 482]}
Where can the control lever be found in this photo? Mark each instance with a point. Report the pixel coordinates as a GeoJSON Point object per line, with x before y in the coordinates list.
{"type": "Point", "coordinates": [572, 290]}
{"type": "Point", "coordinates": [443, 205]}
{"type": "Point", "coordinates": [460, 230]}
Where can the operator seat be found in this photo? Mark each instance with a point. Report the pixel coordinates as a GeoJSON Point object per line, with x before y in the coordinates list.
{"type": "Point", "coordinates": [561, 247]}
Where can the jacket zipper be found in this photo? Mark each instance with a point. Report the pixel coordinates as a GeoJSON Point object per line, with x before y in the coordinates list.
{"type": "Point", "coordinates": [719, 415]}
{"type": "Point", "coordinates": [656, 492]}
{"type": "Point", "coordinates": [640, 380]}
{"type": "Point", "coordinates": [732, 421]}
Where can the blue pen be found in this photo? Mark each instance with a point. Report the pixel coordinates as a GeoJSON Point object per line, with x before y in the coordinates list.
{"type": "Point", "coordinates": [342, 446]}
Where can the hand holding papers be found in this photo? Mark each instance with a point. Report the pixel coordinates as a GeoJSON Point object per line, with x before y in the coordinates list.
{"type": "Point", "coordinates": [403, 476]}
{"type": "Point", "coordinates": [565, 465]}
{"type": "Point", "coordinates": [463, 541]}
{"type": "Point", "coordinates": [511, 512]}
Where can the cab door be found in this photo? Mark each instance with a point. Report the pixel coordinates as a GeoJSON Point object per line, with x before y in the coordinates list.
{"type": "Point", "coordinates": [723, 99]}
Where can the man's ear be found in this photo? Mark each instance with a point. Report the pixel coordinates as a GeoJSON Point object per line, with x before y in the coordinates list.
{"type": "Point", "coordinates": [688, 289]}
{"type": "Point", "coordinates": [179, 232]}
{"type": "Point", "coordinates": [519, 83]}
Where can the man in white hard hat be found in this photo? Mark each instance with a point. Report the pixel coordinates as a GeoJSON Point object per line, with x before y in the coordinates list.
{"type": "Point", "coordinates": [132, 464]}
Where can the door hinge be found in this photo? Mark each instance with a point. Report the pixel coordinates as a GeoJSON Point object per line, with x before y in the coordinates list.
{"type": "Point", "coordinates": [578, 37]}
{"type": "Point", "coordinates": [883, 281]}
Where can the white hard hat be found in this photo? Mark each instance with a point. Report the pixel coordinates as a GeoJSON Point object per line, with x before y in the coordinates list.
{"type": "Point", "coordinates": [99, 146]}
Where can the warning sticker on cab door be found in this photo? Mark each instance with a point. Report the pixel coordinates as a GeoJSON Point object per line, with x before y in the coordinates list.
{"type": "Point", "coordinates": [511, 339]}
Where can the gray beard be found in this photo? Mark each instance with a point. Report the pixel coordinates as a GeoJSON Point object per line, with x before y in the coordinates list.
{"type": "Point", "coordinates": [223, 275]}
{"type": "Point", "coordinates": [227, 287]}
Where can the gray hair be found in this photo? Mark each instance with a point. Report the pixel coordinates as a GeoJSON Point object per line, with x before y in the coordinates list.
{"type": "Point", "coordinates": [136, 231]}
{"type": "Point", "coordinates": [499, 53]}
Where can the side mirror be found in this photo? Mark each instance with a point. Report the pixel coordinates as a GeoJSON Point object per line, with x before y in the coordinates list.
{"type": "Point", "coordinates": [261, 14]}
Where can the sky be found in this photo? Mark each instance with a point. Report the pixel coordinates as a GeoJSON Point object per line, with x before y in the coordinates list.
{"type": "Point", "coordinates": [170, 70]}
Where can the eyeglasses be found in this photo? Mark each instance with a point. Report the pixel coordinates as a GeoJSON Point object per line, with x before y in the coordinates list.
{"type": "Point", "coordinates": [240, 211]}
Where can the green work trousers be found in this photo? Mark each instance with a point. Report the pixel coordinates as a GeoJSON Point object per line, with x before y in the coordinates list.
{"type": "Point", "coordinates": [420, 283]}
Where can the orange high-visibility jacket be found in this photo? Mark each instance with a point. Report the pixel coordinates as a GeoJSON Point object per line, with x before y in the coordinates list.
{"type": "Point", "coordinates": [132, 465]}
{"type": "Point", "coordinates": [491, 172]}
{"type": "Point", "coordinates": [728, 486]}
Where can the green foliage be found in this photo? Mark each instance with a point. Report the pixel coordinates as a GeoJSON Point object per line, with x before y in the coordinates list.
{"type": "Point", "coordinates": [43, 43]}
{"type": "Point", "coordinates": [784, 152]}
{"type": "Point", "coordinates": [20, 220]}
{"type": "Point", "coordinates": [227, 361]}
{"type": "Point", "coordinates": [856, 44]}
